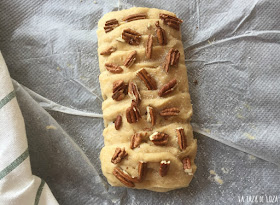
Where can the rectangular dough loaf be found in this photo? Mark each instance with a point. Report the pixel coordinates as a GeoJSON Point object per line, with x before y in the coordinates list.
{"type": "Point", "coordinates": [147, 109]}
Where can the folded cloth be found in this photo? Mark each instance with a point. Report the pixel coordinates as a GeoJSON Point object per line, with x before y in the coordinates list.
{"type": "Point", "coordinates": [17, 184]}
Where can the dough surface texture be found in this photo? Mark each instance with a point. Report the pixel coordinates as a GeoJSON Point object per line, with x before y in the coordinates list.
{"type": "Point", "coordinates": [148, 137]}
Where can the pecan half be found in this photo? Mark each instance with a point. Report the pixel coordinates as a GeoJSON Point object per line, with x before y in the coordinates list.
{"type": "Point", "coordinates": [174, 56]}
{"type": "Point", "coordinates": [113, 68]}
{"type": "Point", "coordinates": [182, 141]}
{"type": "Point", "coordinates": [134, 17]}
{"type": "Point", "coordinates": [187, 165]}
{"type": "Point", "coordinates": [159, 138]}
{"type": "Point", "coordinates": [118, 96]}
{"type": "Point", "coordinates": [118, 85]}
{"type": "Point", "coordinates": [118, 155]}
{"type": "Point", "coordinates": [108, 51]}
{"type": "Point", "coordinates": [167, 112]}
{"type": "Point", "coordinates": [148, 129]}
{"type": "Point", "coordinates": [131, 58]}
{"type": "Point", "coordinates": [171, 59]}
{"type": "Point", "coordinates": [149, 47]}
{"type": "Point", "coordinates": [142, 170]}
{"type": "Point", "coordinates": [110, 25]}
{"type": "Point", "coordinates": [136, 140]}
{"type": "Point", "coordinates": [167, 88]}
{"type": "Point", "coordinates": [164, 167]}
{"type": "Point", "coordinates": [133, 92]}
{"type": "Point", "coordinates": [131, 37]}
{"type": "Point", "coordinates": [147, 79]}
{"type": "Point", "coordinates": [161, 35]}
{"type": "Point", "coordinates": [151, 116]}
{"type": "Point", "coordinates": [171, 21]}
{"type": "Point", "coordinates": [132, 114]}
{"type": "Point", "coordinates": [119, 90]}
{"type": "Point", "coordinates": [123, 177]}
{"type": "Point", "coordinates": [118, 122]}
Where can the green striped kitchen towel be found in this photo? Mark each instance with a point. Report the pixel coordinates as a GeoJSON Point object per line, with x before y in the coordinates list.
{"type": "Point", "coordinates": [17, 184]}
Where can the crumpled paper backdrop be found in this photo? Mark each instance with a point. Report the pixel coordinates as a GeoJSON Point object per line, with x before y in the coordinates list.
{"type": "Point", "coordinates": [232, 51]}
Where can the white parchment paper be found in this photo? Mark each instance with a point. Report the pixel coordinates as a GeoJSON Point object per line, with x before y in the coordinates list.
{"type": "Point", "coordinates": [232, 51]}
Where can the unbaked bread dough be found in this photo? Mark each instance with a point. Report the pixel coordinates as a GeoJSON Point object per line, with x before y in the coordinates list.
{"type": "Point", "coordinates": [157, 150]}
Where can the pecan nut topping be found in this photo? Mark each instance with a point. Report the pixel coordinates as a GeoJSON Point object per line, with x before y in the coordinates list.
{"type": "Point", "coordinates": [119, 90]}
{"type": "Point", "coordinates": [136, 140]}
{"type": "Point", "coordinates": [151, 116]}
{"type": "Point", "coordinates": [118, 122]}
{"type": "Point", "coordinates": [131, 58]}
{"type": "Point", "coordinates": [167, 112]}
{"type": "Point", "coordinates": [149, 47]}
{"type": "Point", "coordinates": [161, 35]}
{"type": "Point", "coordinates": [110, 25]}
{"type": "Point", "coordinates": [113, 68]}
{"type": "Point", "coordinates": [119, 85]}
{"type": "Point", "coordinates": [108, 51]}
{"type": "Point", "coordinates": [131, 37]}
{"type": "Point", "coordinates": [174, 56]}
{"type": "Point", "coordinates": [171, 59]}
{"type": "Point", "coordinates": [182, 141]}
{"type": "Point", "coordinates": [167, 88]}
{"type": "Point", "coordinates": [148, 129]}
{"type": "Point", "coordinates": [134, 93]}
{"type": "Point", "coordinates": [164, 167]}
{"type": "Point", "coordinates": [118, 96]}
{"type": "Point", "coordinates": [124, 177]}
{"type": "Point", "coordinates": [142, 170]}
{"type": "Point", "coordinates": [118, 155]}
{"type": "Point", "coordinates": [147, 79]}
{"type": "Point", "coordinates": [159, 138]}
{"type": "Point", "coordinates": [171, 21]}
{"type": "Point", "coordinates": [187, 165]}
{"type": "Point", "coordinates": [132, 114]}
{"type": "Point", "coordinates": [134, 17]}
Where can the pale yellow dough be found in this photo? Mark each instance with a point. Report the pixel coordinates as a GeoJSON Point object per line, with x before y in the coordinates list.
{"type": "Point", "coordinates": [147, 152]}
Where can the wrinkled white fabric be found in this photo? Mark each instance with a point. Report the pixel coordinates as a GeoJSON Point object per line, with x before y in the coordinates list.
{"type": "Point", "coordinates": [17, 184]}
